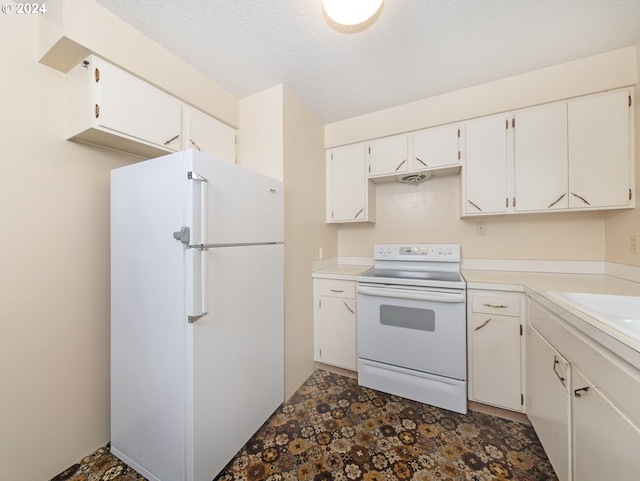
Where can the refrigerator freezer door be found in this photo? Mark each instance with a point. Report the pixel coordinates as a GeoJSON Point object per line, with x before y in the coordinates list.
{"type": "Point", "coordinates": [148, 318]}
{"type": "Point", "coordinates": [238, 354]}
{"type": "Point", "coordinates": [240, 206]}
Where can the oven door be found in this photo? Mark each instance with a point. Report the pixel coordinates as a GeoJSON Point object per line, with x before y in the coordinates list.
{"type": "Point", "coordinates": [417, 328]}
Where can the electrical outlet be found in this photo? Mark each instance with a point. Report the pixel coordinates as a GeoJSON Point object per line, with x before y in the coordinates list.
{"type": "Point", "coordinates": [481, 228]}
{"type": "Point", "coordinates": [320, 252]}
{"type": "Point", "coordinates": [635, 244]}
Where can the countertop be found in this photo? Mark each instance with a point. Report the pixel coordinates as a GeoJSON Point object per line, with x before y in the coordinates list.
{"type": "Point", "coordinates": [344, 272]}
{"type": "Point", "coordinates": [539, 285]}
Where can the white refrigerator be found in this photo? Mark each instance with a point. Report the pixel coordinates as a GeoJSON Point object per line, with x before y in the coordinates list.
{"type": "Point", "coordinates": [197, 312]}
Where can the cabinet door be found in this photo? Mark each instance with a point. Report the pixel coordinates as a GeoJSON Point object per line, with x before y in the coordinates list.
{"type": "Point", "coordinates": [388, 156]}
{"type": "Point", "coordinates": [128, 105]}
{"type": "Point", "coordinates": [206, 134]}
{"type": "Point", "coordinates": [337, 332]}
{"type": "Point", "coordinates": [485, 168]}
{"type": "Point", "coordinates": [599, 150]}
{"type": "Point", "coordinates": [540, 153]}
{"type": "Point", "coordinates": [605, 443]}
{"type": "Point", "coordinates": [548, 401]}
{"type": "Point", "coordinates": [495, 360]}
{"type": "Point", "coordinates": [347, 189]}
{"type": "Point", "coordinates": [436, 147]}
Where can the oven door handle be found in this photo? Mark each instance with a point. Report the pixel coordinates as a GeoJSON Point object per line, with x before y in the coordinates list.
{"type": "Point", "coordinates": [415, 294]}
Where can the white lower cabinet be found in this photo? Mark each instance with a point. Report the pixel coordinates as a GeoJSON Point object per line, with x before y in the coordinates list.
{"type": "Point", "coordinates": [495, 348]}
{"type": "Point", "coordinates": [335, 323]}
{"type": "Point", "coordinates": [606, 444]}
{"type": "Point", "coordinates": [582, 401]}
{"type": "Point", "coordinates": [548, 401]}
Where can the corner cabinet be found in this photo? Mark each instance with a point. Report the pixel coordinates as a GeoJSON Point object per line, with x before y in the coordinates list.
{"type": "Point", "coordinates": [206, 134]}
{"type": "Point", "coordinates": [335, 323]}
{"type": "Point", "coordinates": [495, 348]}
{"type": "Point", "coordinates": [582, 401]}
{"type": "Point", "coordinates": [350, 194]}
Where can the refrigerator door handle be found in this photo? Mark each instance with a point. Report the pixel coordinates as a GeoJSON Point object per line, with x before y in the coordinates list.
{"type": "Point", "coordinates": [196, 285]}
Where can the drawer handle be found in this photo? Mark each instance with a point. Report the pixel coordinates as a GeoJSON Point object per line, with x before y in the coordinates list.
{"type": "Point", "coordinates": [495, 306]}
{"type": "Point", "coordinates": [348, 308]}
{"type": "Point", "coordinates": [577, 392]}
{"type": "Point", "coordinates": [483, 324]}
{"type": "Point", "coordinates": [555, 363]}
{"type": "Point", "coordinates": [336, 290]}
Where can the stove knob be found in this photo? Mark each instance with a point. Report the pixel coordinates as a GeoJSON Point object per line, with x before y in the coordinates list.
{"type": "Point", "coordinates": [439, 251]}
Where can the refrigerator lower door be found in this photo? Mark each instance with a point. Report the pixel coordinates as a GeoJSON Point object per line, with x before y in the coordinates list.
{"type": "Point", "coordinates": [237, 370]}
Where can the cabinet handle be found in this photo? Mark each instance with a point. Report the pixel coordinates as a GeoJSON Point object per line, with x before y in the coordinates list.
{"type": "Point", "coordinates": [483, 324]}
{"type": "Point", "coordinates": [359, 212]}
{"type": "Point", "coordinates": [420, 162]}
{"type": "Point", "coordinates": [555, 363]}
{"type": "Point", "coordinates": [336, 290]}
{"type": "Point", "coordinates": [495, 306]}
{"type": "Point", "coordinates": [400, 164]}
{"type": "Point", "coordinates": [171, 139]}
{"type": "Point", "coordinates": [474, 205]}
{"type": "Point", "coordinates": [581, 198]}
{"type": "Point", "coordinates": [195, 145]}
{"type": "Point", "coordinates": [577, 392]}
{"type": "Point", "coordinates": [556, 201]}
{"type": "Point", "coordinates": [348, 308]}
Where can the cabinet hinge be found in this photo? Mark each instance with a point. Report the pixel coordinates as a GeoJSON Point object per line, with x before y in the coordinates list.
{"type": "Point", "coordinates": [506, 201]}
{"type": "Point", "coordinates": [630, 194]}
{"type": "Point", "coordinates": [513, 122]}
{"type": "Point", "coordinates": [506, 124]}
{"type": "Point", "coordinates": [629, 100]}
{"type": "Point", "coordinates": [96, 75]}
{"type": "Point", "coordinates": [458, 133]}
{"type": "Point", "coordinates": [319, 304]}
{"type": "Point", "coordinates": [521, 399]}
{"type": "Point", "coordinates": [521, 330]}
{"type": "Point", "coordinates": [369, 169]}
{"type": "Point", "coordinates": [331, 155]}
{"type": "Point", "coordinates": [458, 155]}
{"type": "Point", "coordinates": [513, 202]}
{"type": "Point", "coordinates": [97, 111]}
{"type": "Point", "coordinates": [320, 353]}
{"type": "Point", "coordinates": [369, 150]}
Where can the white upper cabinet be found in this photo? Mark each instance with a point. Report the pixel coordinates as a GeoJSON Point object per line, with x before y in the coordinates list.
{"type": "Point", "coordinates": [540, 154]}
{"type": "Point", "coordinates": [388, 156]}
{"type": "Point", "coordinates": [485, 168]}
{"type": "Point", "coordinates": [350, 195]}
{"type": "Point", "coordinates": [601, 173]}
{"type": "Point", "coordinates": [436, 147]}
{"type": "Point", "coordinates": [110, 107]}
{"type": "Point", "coordinates": [206, 134]}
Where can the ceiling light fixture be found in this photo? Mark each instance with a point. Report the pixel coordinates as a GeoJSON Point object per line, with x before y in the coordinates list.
{"type": "Point", "coordinates": [351, 15]}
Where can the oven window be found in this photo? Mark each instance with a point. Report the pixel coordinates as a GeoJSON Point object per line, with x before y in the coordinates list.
{"type": "Point", "coordinates": [408, 317]}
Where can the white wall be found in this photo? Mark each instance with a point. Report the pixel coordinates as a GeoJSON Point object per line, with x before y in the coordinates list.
{"type": "Point", "coordinates": [54, 271]}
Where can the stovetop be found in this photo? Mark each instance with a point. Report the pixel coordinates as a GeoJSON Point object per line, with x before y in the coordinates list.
{"type": "Point", "coordinates": [422, 265]}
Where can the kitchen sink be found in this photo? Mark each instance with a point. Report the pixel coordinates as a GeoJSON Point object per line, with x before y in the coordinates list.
{"type": "Point", "coordinates": [618, 312]}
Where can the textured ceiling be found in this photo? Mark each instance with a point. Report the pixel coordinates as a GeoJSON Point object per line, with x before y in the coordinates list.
{"type": "Point", "coordinates": [415, 49]}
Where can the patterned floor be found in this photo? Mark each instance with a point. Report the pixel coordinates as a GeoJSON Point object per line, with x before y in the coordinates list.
{"type": "Point", "coordinates": [334, 430]}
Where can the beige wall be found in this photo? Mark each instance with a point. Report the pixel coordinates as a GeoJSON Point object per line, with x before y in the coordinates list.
{"type": "Point", "coordinates": [54, 271]}
{"type": "Point", "coordinates": [280, 137]}
{"type": "Point", "coordinates": [621, 225]}
{"type": "Point", "coordinates": [430, 212]}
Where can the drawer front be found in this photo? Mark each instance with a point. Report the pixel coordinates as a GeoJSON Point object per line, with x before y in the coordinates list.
{"type": "Point", "coordinates": [331, 288]}
{"type": "Point", "coordinates": [501, 305]}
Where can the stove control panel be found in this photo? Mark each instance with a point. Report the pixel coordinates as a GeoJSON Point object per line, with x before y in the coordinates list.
{"type": "Point", "coordinates": [418, 252]}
